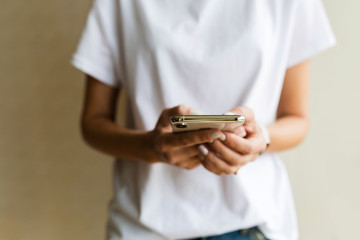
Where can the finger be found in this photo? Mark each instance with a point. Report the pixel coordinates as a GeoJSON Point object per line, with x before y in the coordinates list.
{"type": "Point", "coordinates": [240, 131]}
{"type": "Point", "coordinates": [250, 123]}
{"type": "Point", "coordinates": [190, 163]}
{"type": "Point", "coordinates": [230, 156]}
{"type": "Point", "coordinates": [181, 154]}
{"type": "Point", "coordinates": [239, 144]}
{"type": "Point", "coordinates": [219, 164]}
{"type": "Point", "coordinates": [210, 167]}
{"type": "Point", "coordinates": [245, 111]}
{"type": "Point", "coordinates": [207, 164]}
{"type": "Point", "coordinates": [164, 119]}
{"type": "Point", "coordinates": [170, 142]}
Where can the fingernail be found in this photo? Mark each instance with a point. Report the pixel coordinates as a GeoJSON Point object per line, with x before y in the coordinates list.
{"type": "Point", "coordinates": [215, 135]}
{"type": "Point", "coordinates": [229, 113]}
{"type": "Point", "coordinates": [242, 134]}
{"type": "Point", "coordinates": [223, 137]}
{"type": "Point", "coordinates": [203, 150]}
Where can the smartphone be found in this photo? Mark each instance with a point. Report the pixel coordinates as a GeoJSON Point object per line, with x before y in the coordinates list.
{"type": "Point", "coordinates": [182, 123]}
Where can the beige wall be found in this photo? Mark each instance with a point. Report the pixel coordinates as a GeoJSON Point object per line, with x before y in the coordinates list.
{"type": "Point", "coordinates": [52, 186]}
{"type": "Point", "coordinates": [324, 170]}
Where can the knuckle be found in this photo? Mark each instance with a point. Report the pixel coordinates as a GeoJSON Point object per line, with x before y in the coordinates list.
{"type": "Point", "coordinates": [231, 141]}
{"type": "Point", "coordinates": [236, 161]}
{"type": "Point", "coordinates": [190, 167]}
{"type": "Point", "coordinates": [210, 158]}
{"type": "Point", "coordinates": [251, 149]}
{"type": "Point", "coordinates": [248, 149]}
{"type": "Point", "coordinates": [217, 146]}
{"type": "Point", "coordinates": [216, 151]}
{"type": "Point", "coordinates": [206, 165]}
{"type": "Point", "coordinates": [171, 158]}
{"type": "Point", "coordinates": [243, 162]}
{"type": "Point", "coordinates": [221, 154]}
{"type": "Point", "coordinates": [233, 160]}
{"type": "Point", "coordinates": [231, 137]}
{"type": "Point", "coordinates": [202, 158]}
{"type": "Point", "coordinates": [221, 169]}
{"type": "Point", "coordinates": [196, 165]}
{"type": "Point", "coordinates": [179, 165]}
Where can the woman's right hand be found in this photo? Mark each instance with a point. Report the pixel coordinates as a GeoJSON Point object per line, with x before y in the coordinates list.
{"type": "Point", "coordinates": [180, 149]}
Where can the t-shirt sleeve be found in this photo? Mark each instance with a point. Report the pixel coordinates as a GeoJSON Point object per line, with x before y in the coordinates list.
{"type": "Point", "coordinates": [97, 53]}
{"type": "Point", "coordinates": [310, 32]}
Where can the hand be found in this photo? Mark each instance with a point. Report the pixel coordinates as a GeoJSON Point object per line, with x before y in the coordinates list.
{"type": "Point", "coordinates": [179, 149]}
{"type": "Point", "coordinates": [235, 151]}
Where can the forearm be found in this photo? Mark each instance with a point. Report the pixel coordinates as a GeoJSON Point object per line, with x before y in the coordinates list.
{"type": "Point", "coordinates": [104, 135]}
{"type": "Point", "coordinates": [287, 132]}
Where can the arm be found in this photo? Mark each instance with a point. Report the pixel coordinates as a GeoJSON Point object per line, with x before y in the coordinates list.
{"type": "Point", "coordinates": [100, 131]}
{"type": "Point", "coordinates": [98, 125]}
{"type": "Point", "coordinates": [292, 121]}
{"type": "Point", "coordinates": [288, 130]}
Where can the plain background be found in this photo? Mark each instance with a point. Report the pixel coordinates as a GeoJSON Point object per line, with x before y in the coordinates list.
{"type": "Point", "coordinates": [53, 186]}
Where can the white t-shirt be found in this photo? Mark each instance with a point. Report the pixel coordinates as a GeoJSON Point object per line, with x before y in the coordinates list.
{"type": "Point", "coordinates": [211, 55]}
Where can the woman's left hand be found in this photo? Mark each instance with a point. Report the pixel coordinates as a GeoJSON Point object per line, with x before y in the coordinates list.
{"type": "Point", "coordinates": [226, 156]}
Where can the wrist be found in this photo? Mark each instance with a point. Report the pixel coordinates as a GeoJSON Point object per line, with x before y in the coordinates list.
{"type": "Point", "coordinates": [265, 133]}
{"type": "Point", "coordinates": [149, 152]}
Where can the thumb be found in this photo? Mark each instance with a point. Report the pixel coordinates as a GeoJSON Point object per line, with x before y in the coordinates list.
{"type": "Point", "coordinates": [244, 111]}
{"type": "Point", "coordinates": [164, 119]}
{"type": "Point", "coordinates": [250, 123]}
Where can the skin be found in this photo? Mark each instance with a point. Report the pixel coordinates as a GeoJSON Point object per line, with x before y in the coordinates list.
{"type": "Point", "coordinates": [226, 152]}
{"type": "Point", "coordinates": [289, 129]}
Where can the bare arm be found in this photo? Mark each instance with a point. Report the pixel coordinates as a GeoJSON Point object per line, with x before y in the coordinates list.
{"type": "Point", "coordinates": [98, 125]}
{"type": "Point", "coordinates": [101, 132]}
{"type": "Point", "coordinates": [292, 121]}
{"type": "Point", "coordinates": [288, 130]}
